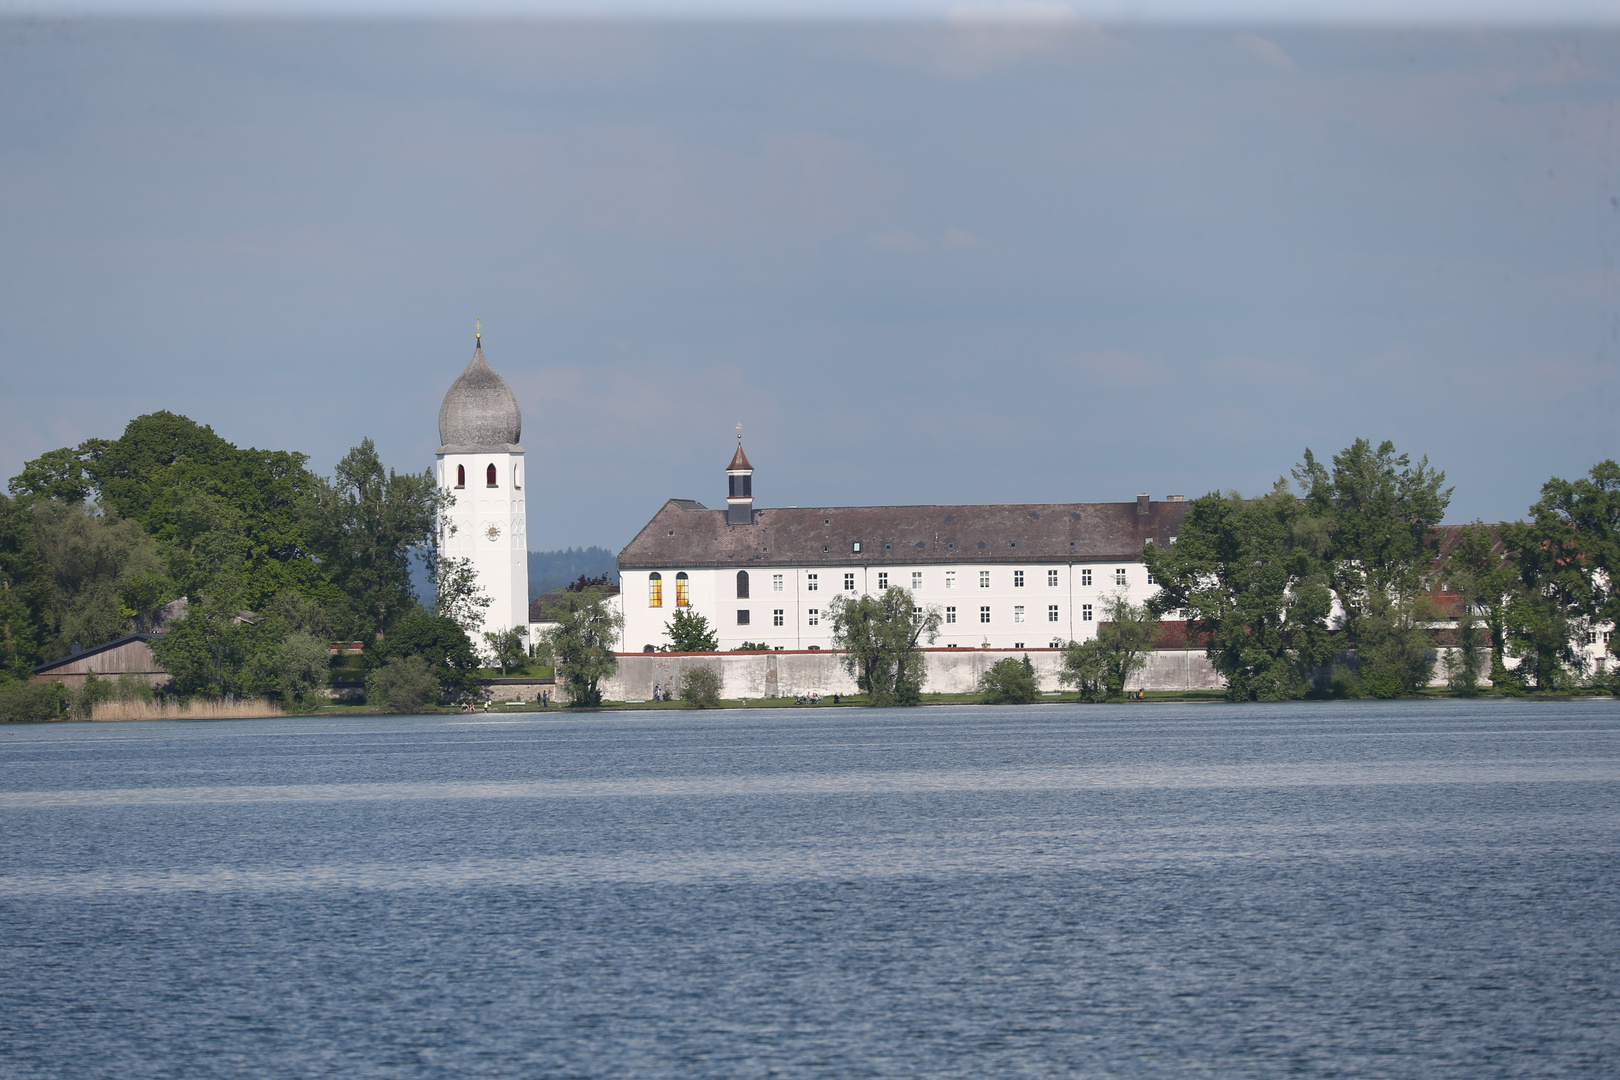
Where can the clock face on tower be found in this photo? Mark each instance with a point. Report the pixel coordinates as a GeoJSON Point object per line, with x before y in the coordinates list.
{"type": "Point", "coordinates": [492, 531]}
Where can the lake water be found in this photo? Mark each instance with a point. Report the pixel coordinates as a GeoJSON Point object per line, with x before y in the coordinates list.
{"type": "Point", "coordinates": [1424, 890]}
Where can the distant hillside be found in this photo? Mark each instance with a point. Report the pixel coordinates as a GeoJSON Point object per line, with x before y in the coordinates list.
{"type": "Point", "coordinates": [551, 570]}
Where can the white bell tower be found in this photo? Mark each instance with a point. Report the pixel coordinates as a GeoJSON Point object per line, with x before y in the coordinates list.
{"type": "Point", "coordinates": [480, 464]}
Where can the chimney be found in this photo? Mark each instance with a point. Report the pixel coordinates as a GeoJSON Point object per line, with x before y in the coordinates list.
{"type": "Point", "coordinates": [1174, 498]}
{"type": "Point", "coordinates": [1141, 504]}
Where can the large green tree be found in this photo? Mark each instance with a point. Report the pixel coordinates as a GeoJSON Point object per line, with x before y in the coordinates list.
{"type": "Point", "coordinates": [440, 641]}
{"type": "Point", "coordinates": [366, 525]}
{"type": "Point", "coordinates": [690, 632]}
{"type": "Point", "coordinates": [214, 509]}
{"type": "Point", "coordinates": [581, 644]}
{"type": "Point", "coordinates": [1245, 573]}
{"type": "Point", "coordinates": [879, 637]}
{"type": "Point", "coordinates": [1479, 570]}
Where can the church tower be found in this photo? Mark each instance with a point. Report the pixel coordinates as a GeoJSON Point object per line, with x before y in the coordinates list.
{"type": "Point", "coordinates": [481, 465]}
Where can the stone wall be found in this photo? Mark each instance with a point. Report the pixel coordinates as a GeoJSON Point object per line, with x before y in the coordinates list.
{"type": "Point", "coordinates": [950, 671]}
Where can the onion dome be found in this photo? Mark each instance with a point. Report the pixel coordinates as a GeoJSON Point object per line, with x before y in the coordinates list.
{"type": "Point", "coordinates": [480, 412]}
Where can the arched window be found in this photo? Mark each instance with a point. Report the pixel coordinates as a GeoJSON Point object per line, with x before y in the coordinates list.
{"type": "Point", "coordinates": [517, 475]}
{"type": "Point", "coordinates": [655, 590]}
{"type": "Point", "coordinates": [742, 584]}
{"type": "Point", "coordinates": [461, 476]}
{"type": "Point", "coordinates": [682, 597]}
{"type": "Point", "coordinates": [489, 475]}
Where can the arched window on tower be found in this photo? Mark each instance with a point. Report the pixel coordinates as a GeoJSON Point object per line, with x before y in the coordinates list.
{"type": "Point", "coordinates": [655, 590]}
{"type": "Point", "coordinates": [517, 475]}
{"type": "Point", "coordinates": [461, 476]}
{"type": "Point", "coordinates": [742, 584]}
{"type": "Point", "coordinates": [489, 475]}
{"type": "Point", "coordinates": [683, 598]}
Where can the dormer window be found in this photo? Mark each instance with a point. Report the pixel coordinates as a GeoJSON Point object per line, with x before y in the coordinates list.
{"type": "Point", "coordinates": [489, 475]}
{"type": "Point", "coordinates": [461, 476]}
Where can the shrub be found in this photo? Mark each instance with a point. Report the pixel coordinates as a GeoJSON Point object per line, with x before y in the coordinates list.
{"type": "Point", "coordinates": [406, 685]}
{"type": "Point", "coordinates": [700, 686]}
{"type": "Point", "coordinates": [31, 701]}
{"type": "Point", "coordinates": [90, 693]}
{"type": "Point", "coordinates": [1009, 682]}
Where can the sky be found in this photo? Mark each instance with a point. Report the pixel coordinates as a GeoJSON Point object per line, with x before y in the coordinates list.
{"type": "Point", "coordinates": [924, 255]}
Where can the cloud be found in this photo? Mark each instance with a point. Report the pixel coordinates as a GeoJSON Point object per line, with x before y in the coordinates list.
{"type": "Point", "coordinates": [959, 239]}
{"type": "Point", "coordinates": [1265, 50]}
{"type": "Point", "coordinates": [977, 41]}
{"type": "Point", "coordinates": [898, 240]}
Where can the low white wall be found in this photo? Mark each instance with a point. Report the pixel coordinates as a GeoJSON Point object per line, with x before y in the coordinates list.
{"type": "Point", "coordinates": [950, 671]}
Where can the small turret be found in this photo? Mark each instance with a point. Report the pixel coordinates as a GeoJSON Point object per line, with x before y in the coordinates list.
{"type": "Point", "coordinates": [740, 481]}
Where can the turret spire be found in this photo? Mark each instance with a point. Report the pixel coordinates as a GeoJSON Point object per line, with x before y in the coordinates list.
{"type": "Point", "coordinates": [740, 481]}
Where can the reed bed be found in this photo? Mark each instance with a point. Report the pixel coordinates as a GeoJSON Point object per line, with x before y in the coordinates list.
{"type": "Point", "coordinates": [197, 709]}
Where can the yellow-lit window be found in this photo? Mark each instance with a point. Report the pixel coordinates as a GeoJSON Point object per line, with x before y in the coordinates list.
{"type": "Point", "coordinates": [655, 590]}
{"type": "Point", "coordinates": [682, 597]}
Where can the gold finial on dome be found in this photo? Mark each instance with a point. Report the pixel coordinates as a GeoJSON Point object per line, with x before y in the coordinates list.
{"type": "Point", "coordinates": [478, 330]}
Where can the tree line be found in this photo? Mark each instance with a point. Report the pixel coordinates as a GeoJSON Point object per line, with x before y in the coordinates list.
{"type": "Point", "coordinates": [274, 562]}
{"type": "Point", "coordinates": [1327, 586]}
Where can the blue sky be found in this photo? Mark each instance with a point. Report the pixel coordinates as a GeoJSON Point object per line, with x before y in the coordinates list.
{"type": "Point", "coordinates": [939, 258]}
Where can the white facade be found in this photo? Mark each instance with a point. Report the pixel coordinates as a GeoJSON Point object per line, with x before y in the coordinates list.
{"type": "Point", "coordinates": [1007, 605]}
{"type": "Point", "coordinates": [486, 525]}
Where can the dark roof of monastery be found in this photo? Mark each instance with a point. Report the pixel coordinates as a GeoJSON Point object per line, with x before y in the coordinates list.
{"type": "Point", "coordinates": [739, 460]}
{"type": "Point", "coordinates": [479, 412]}
{"type": "Point", "coordinates": [685, 534]}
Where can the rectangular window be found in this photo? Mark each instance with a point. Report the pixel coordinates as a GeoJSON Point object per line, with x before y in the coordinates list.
{"type": "Point", "coordinates": [1591, 637]}
{"type": "Point", "coordinates": [1085, 577]}
{"type": "Point", "coordinates": [776, 583]}
{"type": "Point", "coordinates": [1018, 613]}
{"type": "Point", "coordinates": [950, 579]}
{"type": "Point", "coordinates": [849, 582]}
{"type": "Point", "coordinates": [1051, 613]}
{"type": "Point", "coordinates": [984, 614]}
{"type": "Point", "coordinates": [1119, 576]}
{"type": "Point", "coordinates": [742, 616]}
{"type": "Point", "coordinates": [916, 581]}
{"type": "Point", "coordinates": [1152, 580]}
{"type": "Point", "coordinates": [811, 582]}
{"type": "Point", "coordinates": [950, 614]}
{"type": "Point", "coordinates": [984, 579]}
{"type": "Point", "coordinates": [1051, 579]}
{"type": "Point", "coordinates": [1018, 579]}
{"type": "Point", "coordinates": [1085, 612]}
{"type": "Point", "coordinates": [883, 580]}
{"type": "Point", "coordinates": [776, 617]}
{"type": "Point", "coordinates": [814, 616]}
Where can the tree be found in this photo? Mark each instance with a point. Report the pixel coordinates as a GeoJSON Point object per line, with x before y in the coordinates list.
{"type": "Point", "coordinates": [1126, 635]}
{"type": "Point", "coordinates": [700, 686]}
{"type": "Point", "coordinates": [1467, 656]}
{"type": "Point", "coordinates": [301, 666]}
{"type": "Point", "coordinates": [95, 571]}
{"type": "Point", "coordinates": [1479, 570]}
{"type": "Point", "coordinates": [442, 645]}
{"type": "Point", "coordinates": [459, 597]}
{"type": "Point", "coordinates": [1085, 667]}
{"type": "Point", "coordinates": [690, 632]}
{"type": "Point", "coordinates": [1244, 573]}
{"type": "Point", "coordinates": [1371, 520]}
{"type": "Point", "coordinates": [878, 636]}
{"type": "Point", "coordinates": [1568, 559]}
{"type": "Point", "coordinates": [507, 647]}
{"type": "Point", "coordinates": [366, 524]}
{"type": "Point", "coordinates": [582, 643]}
{"type": "Point", "coordinates": [406, 684]}
{"type": "Point", "coordinates": [1009, 682]}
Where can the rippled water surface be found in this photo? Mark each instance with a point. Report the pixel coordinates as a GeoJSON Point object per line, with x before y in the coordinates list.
{"type": "Point", "coordinates": [1326, 890]}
